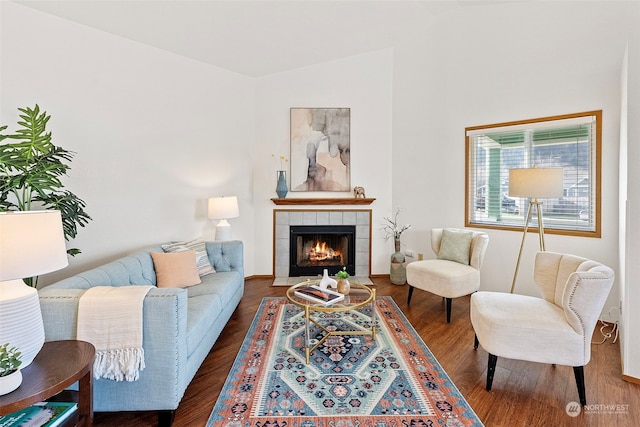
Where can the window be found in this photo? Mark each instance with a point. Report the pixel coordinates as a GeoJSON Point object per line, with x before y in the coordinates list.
{"type": "Point", "coordinates": [571, 142]}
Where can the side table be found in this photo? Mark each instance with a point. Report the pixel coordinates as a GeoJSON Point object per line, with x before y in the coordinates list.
{"type": "Point", "coordinates": [58, 365]}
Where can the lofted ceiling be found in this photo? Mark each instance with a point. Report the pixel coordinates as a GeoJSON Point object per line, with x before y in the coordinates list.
{"type": "Point", "coordinates": [256, 38]}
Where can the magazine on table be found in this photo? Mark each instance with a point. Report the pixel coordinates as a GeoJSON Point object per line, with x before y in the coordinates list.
{"type": "Point", "coordinates": [319, 295]}
{"type": "Point", "coordinates": [43, 414]}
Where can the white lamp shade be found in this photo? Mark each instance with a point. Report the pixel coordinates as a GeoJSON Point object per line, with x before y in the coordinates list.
{"type": "Point", "coordinates": [31, 243]}
{"type": "Point", "coordinates": [536, 182]}
{"type": "Point", "coordinates": [223, 207]}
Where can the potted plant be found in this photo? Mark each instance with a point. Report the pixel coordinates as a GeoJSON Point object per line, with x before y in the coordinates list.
{"type": "Point", "coordinates": [31, 168]}
{"type": "Point", "coordinates": [343, 283]}
{"type": "Point", "coordinates": [10, 375]}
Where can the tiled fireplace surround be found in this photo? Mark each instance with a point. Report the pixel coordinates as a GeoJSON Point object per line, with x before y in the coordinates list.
{"type": "Point", "coordinates": [284, 218]}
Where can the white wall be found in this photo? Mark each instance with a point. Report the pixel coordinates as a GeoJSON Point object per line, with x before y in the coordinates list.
{"type": "Point", "coordinates": [155, 134]}
{"type": "Point", "coordinates": [630, 196]}
{"type": "Point", "coordinates": [362, 83]}
{"type": "Point", "coordinates": [495, 64]}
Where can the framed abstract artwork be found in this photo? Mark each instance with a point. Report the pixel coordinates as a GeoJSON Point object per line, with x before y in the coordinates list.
{"type": "Point", "coordinates": [320, 149]}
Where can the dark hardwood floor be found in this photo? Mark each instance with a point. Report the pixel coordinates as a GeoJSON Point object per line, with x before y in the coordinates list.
{"type": "Point", "coordinates": [523, 394]}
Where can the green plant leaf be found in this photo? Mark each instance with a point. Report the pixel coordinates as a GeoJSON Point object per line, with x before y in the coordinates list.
{"type": "Point", "coordinates": [31, 168]}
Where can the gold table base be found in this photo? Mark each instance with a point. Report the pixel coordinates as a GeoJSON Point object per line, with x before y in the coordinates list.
{"type": "Point", "coordinates": [341, 306]}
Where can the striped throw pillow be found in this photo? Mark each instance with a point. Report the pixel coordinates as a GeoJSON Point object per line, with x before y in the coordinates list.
{"type": "Point", "coordinates": [202, 260]}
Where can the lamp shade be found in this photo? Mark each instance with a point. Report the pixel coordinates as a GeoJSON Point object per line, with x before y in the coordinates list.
{"type": "Point", "coordinates": [223, 207]}
{"type": "Point", "coordinates": [31, 243]}
{"type": "Point", "coordinates": [536, 182]}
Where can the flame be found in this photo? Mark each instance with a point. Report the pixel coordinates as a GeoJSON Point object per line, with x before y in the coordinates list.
{"type": "Point", "coordinates": [321, 252]}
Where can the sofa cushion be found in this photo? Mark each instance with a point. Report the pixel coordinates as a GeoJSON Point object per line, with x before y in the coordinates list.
{"type": "Point", "coordinates": [202, 312]}
{"type": "Point", "coordinates": [202, 259]}
{"type": "Point", "coordinates": [176, 270]}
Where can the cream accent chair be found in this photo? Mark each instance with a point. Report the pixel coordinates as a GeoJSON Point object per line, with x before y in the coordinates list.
{"type": "Point", "coordinates": [448, 279]}
{"type": "Point", "coordinates": [556, 328]}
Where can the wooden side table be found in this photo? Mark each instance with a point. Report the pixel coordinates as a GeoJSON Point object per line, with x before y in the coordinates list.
{"type": "Point", "coordinates": [58, 365]}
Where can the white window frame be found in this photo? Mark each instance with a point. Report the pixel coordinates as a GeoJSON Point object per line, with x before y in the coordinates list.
{"type": "Point", "coordinates": [490, 155]}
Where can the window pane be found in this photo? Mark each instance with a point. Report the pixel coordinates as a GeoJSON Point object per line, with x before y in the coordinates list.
{"type": "Point", "coordinates": [567, 142]}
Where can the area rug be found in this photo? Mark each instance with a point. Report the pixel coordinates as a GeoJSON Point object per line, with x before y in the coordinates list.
{"type": "Point", "coordinates": [351, 381]}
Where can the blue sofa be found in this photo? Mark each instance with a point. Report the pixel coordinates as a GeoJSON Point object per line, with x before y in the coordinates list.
{"type": "Point", "coordinates": [179, 325]}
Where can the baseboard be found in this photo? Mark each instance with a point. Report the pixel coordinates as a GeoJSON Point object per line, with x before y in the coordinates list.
{"type": "Point", "coordinates": [631, 379]}
{"type": "Point", "coordinates": [260, 276]}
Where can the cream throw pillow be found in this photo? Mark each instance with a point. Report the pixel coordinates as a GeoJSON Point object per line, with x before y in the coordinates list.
{"type": "Point", "coordinates": [202, 259]}
{"type": "Point", "coordinates": [455, 246]}
{"type": "Point", "coordinates": [176, 270]}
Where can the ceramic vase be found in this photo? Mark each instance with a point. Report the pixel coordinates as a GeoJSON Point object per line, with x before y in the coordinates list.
{"type": "Point", "coordinates": [281, 186]}
{"type": "Point", "coordinates": [398, 271]}
{"type": "Point", "coordinates": [326, 281]}
{"type": "Point", "coordinates": [344, 286]}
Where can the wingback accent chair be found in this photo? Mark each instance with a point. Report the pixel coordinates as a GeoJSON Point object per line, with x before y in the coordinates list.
{"type": "Point", "coordinates": [456, 271]}
{"type": "Point", "coordinates": [556, 328]}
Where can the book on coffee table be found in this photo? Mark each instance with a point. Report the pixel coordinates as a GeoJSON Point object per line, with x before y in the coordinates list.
{"type": "Point", "coordinates": [319, 295]}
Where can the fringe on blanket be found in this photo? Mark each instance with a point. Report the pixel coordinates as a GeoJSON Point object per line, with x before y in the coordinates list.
{"type": "Point", "coordinates": [119, 365]}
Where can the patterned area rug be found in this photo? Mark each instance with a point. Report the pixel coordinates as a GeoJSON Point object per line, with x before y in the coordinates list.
{"type": "Point", "coordinates": [392, 381]}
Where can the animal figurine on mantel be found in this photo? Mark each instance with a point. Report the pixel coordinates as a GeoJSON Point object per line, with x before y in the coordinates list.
{"type": "Point", "coordinates": [358, 193]}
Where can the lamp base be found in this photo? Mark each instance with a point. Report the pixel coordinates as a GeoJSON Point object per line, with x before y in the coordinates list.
{"type": "Point", "coordinates": [223, 230]}
{"type": "Point", "coordinates": [21, 319]}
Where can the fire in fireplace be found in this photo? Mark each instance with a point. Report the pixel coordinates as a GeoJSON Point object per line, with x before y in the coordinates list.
{"type": "Point", "coordinates": [316, 247]}
{"type": "Point", "coordinates": [320, 253]}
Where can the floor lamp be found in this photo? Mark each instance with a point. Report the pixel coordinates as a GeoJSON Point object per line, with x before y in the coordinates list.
{"type": "Point", "coordinates": [534, 183]}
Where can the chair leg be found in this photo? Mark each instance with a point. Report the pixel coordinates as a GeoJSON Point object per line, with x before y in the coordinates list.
{"type": "Point", "coordinates": [448, 310]}
{"type": "Point", "coordinates": [475, 342]}
{"type": "Point", "coordinates": [491, 369]}
{"type": "Point", "coordinates": [410, 293]}
{"type": "Point", "coordinates": [578, 371]}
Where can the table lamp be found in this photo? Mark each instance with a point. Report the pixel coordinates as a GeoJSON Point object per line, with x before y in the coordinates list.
{"type": "Point", "coordinates": [534, 183]}
{"type": "Point", "coordinates": [31, 243]}
{"type": "Point", "coordinates": [223, 208]}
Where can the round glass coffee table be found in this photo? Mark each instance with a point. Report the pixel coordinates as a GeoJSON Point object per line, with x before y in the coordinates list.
{"type": "Point", "coordinates": [359, 296]}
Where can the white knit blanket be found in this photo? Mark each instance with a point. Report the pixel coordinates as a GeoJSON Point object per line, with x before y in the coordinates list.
{"type": "Point", "coordinates": [110, 318]}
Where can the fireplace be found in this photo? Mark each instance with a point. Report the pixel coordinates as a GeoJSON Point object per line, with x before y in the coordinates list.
{"type": "Point", "coordinates": [284, 219]}
{"type": "Point", "coordinates": [314, 248]}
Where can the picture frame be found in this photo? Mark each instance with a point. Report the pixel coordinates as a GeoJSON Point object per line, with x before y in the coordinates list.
{"type": "Point", "coordinates": [320, 149]}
